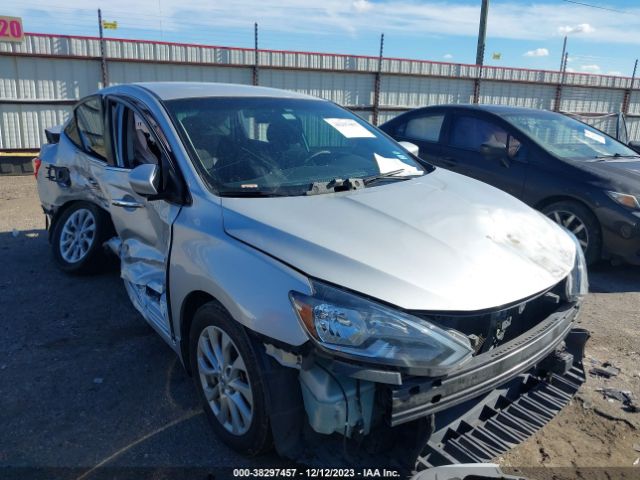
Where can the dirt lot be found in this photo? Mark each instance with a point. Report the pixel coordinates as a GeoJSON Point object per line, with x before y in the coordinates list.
{"type": "Point", "coordinates": [85, 382]}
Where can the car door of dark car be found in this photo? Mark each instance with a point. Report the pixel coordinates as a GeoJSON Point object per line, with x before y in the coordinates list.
{"type": "Point", "coordinates": [462, 152]}
{"type": "Point", "coordinates": [423, 130]}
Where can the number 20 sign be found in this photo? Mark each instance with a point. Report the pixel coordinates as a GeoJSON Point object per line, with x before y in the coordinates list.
{"type": "Point", "coordinates": [11, 29]}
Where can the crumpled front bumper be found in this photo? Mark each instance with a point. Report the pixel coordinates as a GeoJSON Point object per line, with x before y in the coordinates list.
{"type": "Point", "coordinates": [420, 397]}
{"type": "Point", "coordinates": [501, 397]}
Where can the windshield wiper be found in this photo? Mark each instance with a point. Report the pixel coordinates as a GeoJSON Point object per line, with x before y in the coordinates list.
{"type": "Point", "coordinates": [336, 185]}
{"type": "Point", "coordinates": [249, 193]}
{"type": "Point", "coordinates": [615, 155]}
{"type": "Point", "coordinates": [379, 176]}
{"type": "Point", "coordinates": [342, 185]}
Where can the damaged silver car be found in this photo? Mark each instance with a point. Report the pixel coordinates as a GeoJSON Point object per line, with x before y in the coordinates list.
{"type": "Point", "coordinates": [331, 294]}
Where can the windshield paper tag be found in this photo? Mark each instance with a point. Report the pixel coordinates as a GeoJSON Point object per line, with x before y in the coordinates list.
{"type": "Point", "coordinates": [594, 136]}
{"type": "Point", "coordinates": [387, 165]}
{"type": "Point", "coordinates": [349, 128]}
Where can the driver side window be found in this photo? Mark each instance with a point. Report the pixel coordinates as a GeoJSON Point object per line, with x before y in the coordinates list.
{"type": "Point", "coordinates": [470, 133]}
{"type": "Point", "coordinates": [139, 144]}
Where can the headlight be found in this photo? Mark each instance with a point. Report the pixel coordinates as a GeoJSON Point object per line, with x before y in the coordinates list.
{"type": "Point", "coordinates": [354, 327]}
{"type": "Point", "coordinates": [628, 200]}
{"type": "Point", "coordinates": [577, 284]}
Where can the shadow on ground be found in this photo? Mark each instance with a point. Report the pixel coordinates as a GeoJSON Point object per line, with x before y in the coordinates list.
{"type": "Point", "coordinates": [84, 381]}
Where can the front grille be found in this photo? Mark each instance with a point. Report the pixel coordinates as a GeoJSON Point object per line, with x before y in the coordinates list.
{"type": "Point", "coordinates": [488, 329]}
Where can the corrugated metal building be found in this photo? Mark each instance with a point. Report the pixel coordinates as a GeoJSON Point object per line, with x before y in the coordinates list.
{"type": "Point", "coordinates": [42, 77]}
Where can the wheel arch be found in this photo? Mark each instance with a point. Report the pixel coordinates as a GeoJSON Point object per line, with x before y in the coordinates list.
{"type": "Point", "coordinates": [569, 198]}
{"type": "Point", "coordinates": [192, 302]}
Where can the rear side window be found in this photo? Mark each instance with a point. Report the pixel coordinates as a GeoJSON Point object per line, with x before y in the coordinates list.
{"type": "Point", "coordinates": [71, 131]}
{"type": "Point", "coordinates": [90, 122]}
{"type": "Point", "coordinates": [424, 128]}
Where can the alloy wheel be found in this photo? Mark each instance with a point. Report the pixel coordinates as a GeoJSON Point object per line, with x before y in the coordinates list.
{"type": "Point", "coordinates": [573, 223]}
{"type": "Point", "coordinates": [77, 236]}
{"type": "Point", "coordinates": [225, 380]}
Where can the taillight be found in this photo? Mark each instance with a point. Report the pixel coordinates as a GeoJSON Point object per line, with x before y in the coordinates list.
{"type": "Point", "coordinates": [36, 166]}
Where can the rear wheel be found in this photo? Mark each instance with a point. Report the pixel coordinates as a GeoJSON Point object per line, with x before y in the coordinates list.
{"type": "Point", "coordinates": [577, 218]}
{"type": "Point", "coordinates": [229, 380]}
{"type": "Point", "coordinates": [77, 238]}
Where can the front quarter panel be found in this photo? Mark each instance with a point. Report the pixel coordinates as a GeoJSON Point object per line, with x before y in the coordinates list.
{"type": "Point", "coordinates": [252, 286]}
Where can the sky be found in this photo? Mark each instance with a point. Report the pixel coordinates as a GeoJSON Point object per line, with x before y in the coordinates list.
{"type": "Point", "coordinates": [529, 34]}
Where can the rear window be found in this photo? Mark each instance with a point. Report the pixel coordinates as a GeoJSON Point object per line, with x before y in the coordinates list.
{"type": "Point", "coordinates": [424, 128]}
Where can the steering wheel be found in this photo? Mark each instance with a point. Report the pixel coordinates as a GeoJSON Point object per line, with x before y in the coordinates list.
{"type": "Point", "coordinates": [316, 154]}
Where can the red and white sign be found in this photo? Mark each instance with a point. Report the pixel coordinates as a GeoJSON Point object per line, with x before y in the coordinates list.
{"type": "Point", "coordinates": [11, 29]}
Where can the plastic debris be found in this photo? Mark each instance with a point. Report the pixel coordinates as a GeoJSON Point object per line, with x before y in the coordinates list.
{"type": "Point", "coordinates": [636, 462]}
{"type": "Point", "coordinates": [15, 233]}
{"type": "Point", "coordinates": [97, 380]}
{"type": "Point", "coordinates": [623, 396]}
{"type": "Point", "coordinates": [606, 370]}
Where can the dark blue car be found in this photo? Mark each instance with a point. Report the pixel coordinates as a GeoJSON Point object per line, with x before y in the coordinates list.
{"type": "Point", "coordinates": [580, 177]}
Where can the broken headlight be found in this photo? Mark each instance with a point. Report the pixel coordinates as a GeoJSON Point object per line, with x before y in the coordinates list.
{"type": "Point", "coordinates": [577, 283]}
{"type": "Point", "coordinates": [355, 327]}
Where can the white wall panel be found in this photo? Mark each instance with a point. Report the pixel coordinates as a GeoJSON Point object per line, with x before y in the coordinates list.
{"type": "Point", "coordinates": [127, 72]}
{"type": "Point", "coordinates": [344, 88]}
{"type": "Point", "coordinates": [404, 91]}
{"type": "Point", "coordinates": [517, 94]}
{"type": "Point", "coordinates": [30, 78]}
{"type": "Point", "coordinates": [22, 126]}
{"type": "Point", "coordinates": [591, 100]}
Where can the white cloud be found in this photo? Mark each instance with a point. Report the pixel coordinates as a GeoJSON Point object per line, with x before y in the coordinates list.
{"type": "Point", "coordinates": [581, 28]}
{"type": "Point", "coordinates": [509, 19]}
{"type": "Point", "coordinates": [538, 52]}
{"type": "Point", "coordinates": [447, 56]}
{"type": "Point", "coordinates": [593, 68]}
{"type": "Point", "coordinates": [362, 5]}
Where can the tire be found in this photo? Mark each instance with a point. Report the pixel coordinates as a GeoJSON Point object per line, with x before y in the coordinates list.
{"type": "Point", "coordinates": [582, 223]}
{"type": "Point", "coordinates": [92, 225]}
{"type": "Point", "coordinates": [251, 436]}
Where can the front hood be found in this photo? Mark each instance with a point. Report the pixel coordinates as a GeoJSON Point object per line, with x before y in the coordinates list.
{"type": "Point", "coordinates": [621, 174]}
{"type": "Point", "coordinates": [439, 242]}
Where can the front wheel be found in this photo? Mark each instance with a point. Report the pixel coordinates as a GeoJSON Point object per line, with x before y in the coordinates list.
{"type": "Point", "coordinates": [229, 380]}
{"type": "Point", "coordinates": [577, 218]}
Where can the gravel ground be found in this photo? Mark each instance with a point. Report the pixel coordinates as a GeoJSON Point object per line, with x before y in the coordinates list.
{"type": "Point", "coordinates": [85, 382]}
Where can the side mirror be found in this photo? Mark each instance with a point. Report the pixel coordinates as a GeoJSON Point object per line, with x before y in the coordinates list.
{"type": "Point", "coordinates": [634, 145]}
{"type": "Point", "coordinates": [144, 179]}
{"type": "Point", "coordinates": [411, 148]}
{"type": "Point", "coordinates": [495, 151]}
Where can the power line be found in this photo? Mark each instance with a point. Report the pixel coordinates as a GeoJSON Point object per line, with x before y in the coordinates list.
{"type": "Point", "coordinates": [594, 6]}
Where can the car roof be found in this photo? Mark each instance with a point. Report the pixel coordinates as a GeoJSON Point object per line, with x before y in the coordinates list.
{"type": "Point", "coordinates": [176, 90]}
{"type": "Point", "coordinates": [495, 109]}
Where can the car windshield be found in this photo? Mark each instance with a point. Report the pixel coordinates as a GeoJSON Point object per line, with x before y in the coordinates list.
{"type": "Point", "coordinates": [282, 146]}
{"type": "Point", "coordinates": [568, 138]}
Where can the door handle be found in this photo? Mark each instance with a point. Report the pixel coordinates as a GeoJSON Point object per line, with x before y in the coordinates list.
{"type": "Point", "coordinates": [126, 204]}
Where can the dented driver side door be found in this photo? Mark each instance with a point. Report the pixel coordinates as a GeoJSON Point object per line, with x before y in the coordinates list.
{"type": "Point", "coordinates": [143, 224]}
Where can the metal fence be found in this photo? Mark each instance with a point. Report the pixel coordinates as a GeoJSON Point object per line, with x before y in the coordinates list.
{"type": "Point", "coordinates": [43, 76]}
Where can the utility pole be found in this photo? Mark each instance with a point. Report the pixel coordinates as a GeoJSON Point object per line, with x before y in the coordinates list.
{"type": "Point", "coordinates": [103, 59]}
{"type": "Point", "coordinates": [256, 63]}
{"type": "Point", "coordinates": [482, 32]}
{"type": "Point", "coordinates": [627, 93]}
{"type": "Point", "coordinates": [563, 64]}
{"type": "Point", "coordinates": [556, 106]}
{"type": "Point", "coordinates": [376, 93]}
